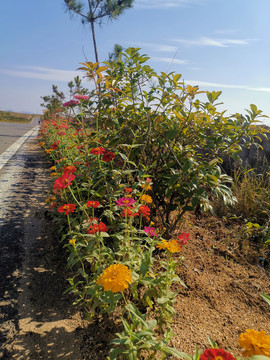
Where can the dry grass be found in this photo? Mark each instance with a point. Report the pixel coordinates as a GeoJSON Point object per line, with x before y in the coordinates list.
{"type": "Point", "coordinates": [8, 116]}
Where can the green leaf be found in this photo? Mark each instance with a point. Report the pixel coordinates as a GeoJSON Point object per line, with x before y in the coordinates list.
{"type": "Point", "coordinates": [266, 298]}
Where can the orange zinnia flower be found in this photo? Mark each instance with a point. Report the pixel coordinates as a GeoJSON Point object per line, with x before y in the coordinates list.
{"type": "Point", "coordinates": [116, 278]}
{"type": "Point", "coordinates": [172, 246]}
{"type": "Point", "coordinates": [254, 343]}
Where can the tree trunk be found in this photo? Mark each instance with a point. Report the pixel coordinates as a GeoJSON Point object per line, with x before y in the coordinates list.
{"type": "Point", "coordinates": [94, 40]}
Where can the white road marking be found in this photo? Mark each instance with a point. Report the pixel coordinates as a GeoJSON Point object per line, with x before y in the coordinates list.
{"type": "Point", "coordinates": [4, 158]}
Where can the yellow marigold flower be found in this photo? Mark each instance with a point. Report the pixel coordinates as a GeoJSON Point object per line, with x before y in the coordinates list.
{"type": "Point", "coordinates": [254, 343]}
{"type": "Point", "coordinates": [172, 246]}
{"type": "Point", "coordinates": [146, 198]}
{"type": "Point", "coordinates": [52, 168]}
{"type": "Point", "coordinates": [42, 143]}
{"type": "Point", "coordinates": [48, 151]}
{"type": "Point", "coordinates": [152, 223]}
{"type": "Point", "coordinates": [115, 278]}
{"type": "Point", "coordinates": [54, 174]}
{"type": "Point", "coordinates": [72, 242]}
{"type": "Point", "coordinates": [50, 199]}
{"type": "Point", "coordinates": [147, 187]}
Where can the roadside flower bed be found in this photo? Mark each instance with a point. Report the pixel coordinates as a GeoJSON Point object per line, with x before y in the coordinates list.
{"type": "Point", "coordinates": [128, 163]}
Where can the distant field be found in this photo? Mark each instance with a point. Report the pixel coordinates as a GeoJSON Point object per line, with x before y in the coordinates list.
{"type": "Point", "coordinates": [8, 116]}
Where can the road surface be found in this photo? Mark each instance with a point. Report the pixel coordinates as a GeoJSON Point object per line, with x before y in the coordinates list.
{"type": "Point", "coordinates": [10, 132]}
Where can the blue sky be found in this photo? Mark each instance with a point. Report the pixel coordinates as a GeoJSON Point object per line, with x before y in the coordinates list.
{"type": "Point", "coordinates": [216, 44]}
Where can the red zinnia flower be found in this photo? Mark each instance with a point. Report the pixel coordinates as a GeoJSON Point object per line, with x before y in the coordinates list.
{"type": "Point", "coordinates": [93, 203]}
{"type": "Point", "coordinates": [64, 181]}
{"type": "Point", "coordinates": [216, 354]}
{"type": "Point", "coordinates": [144, 210]}
{"type": "Point", "coordinates": [69, 169]}
{"type": "Point", "coordinates": [100, 227]}
{"type": "Point", "coordinates": [66, 208]}
{"type": "Point", "coordinates": [108, 156]}
{"type": "Point", "coordinates": [183, 238]}
{"type": "Point", "coordinates": [55, 145]}
{"type": "Point", "coordinates": [98, 151]}
{"type": "Point", "coordinates": [128, 212]}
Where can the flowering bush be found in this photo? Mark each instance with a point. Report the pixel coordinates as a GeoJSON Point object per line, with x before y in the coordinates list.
{"type": "Point", "coordinates": [131, 153]}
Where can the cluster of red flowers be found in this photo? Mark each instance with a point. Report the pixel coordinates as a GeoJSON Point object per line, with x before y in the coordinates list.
{"type": "Point", "coordinates": [55, 145]}
{"type": "Point", "coordinates": [106, 155]}
{"type": "Point", "coordinates": [99, 227]}
{"type": "Point", "coordinates": [67, 208]}
{"type": "Point", "coordinates": [128, 212]}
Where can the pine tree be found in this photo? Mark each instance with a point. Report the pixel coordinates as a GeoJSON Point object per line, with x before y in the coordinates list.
{"type": "Point", "coordinates": [95, 11]}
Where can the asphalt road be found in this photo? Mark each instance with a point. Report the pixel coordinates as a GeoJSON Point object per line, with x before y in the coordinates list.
{"type": "Point", "coordinates": [10, 132]}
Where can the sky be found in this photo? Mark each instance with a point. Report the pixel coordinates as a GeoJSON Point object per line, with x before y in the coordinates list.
{"type": "Point", "coordinates": [219, 45]}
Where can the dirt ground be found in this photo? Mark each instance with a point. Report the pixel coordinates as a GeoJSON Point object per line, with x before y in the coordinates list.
{"type": "Point", "coordinates": [37, 321]}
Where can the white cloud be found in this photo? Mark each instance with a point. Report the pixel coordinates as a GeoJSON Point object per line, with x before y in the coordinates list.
{"type": "Point", "coordinates": [159, 4]}
{"type": "Point", "coordinates": [157, 47]}
{"type": "Point", "coordinates": [42, 73]}
{"type": "Point", "coordinates": [228, 86]}
{"type": "Point", "coordinates": [205, 41]}
{"type": "Point", "coordinates": [169, 60]}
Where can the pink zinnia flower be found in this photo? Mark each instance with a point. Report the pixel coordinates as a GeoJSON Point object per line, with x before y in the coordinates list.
{"type": "Point", "coordinates": [81, 97]}
{"type": "Point", "coordinates": [71, 103]}
{"type": "Point", "coordinates": [151, 231]}
{"type": "Point", "coordinates": [125, 202]}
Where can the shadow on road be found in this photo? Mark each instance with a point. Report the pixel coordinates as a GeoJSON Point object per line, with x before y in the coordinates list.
{"type": "Point", "coordinates": [36, 320]}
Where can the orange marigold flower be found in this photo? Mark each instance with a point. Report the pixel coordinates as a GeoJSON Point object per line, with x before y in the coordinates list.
{"type": "Point", "coordinates": [254, 343]}
{"type": "Point", "coordinates": [128, 190]}
{"type": "Point", "coordinates": [72, 242]}
{"type": "Point", "coordinates": [147, 187]}
{"type": "Point", "coordinates": [116, 278]}
{"type": "Point", "coordinates": [216, 354]}
{"type": "Point", "coordinates": [172, 246]}
{"type": "Point", "coordinates": [146, 198]}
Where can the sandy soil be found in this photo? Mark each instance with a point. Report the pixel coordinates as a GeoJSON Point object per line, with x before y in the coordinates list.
{"type": "Point", "coordinates": [38, 322]}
